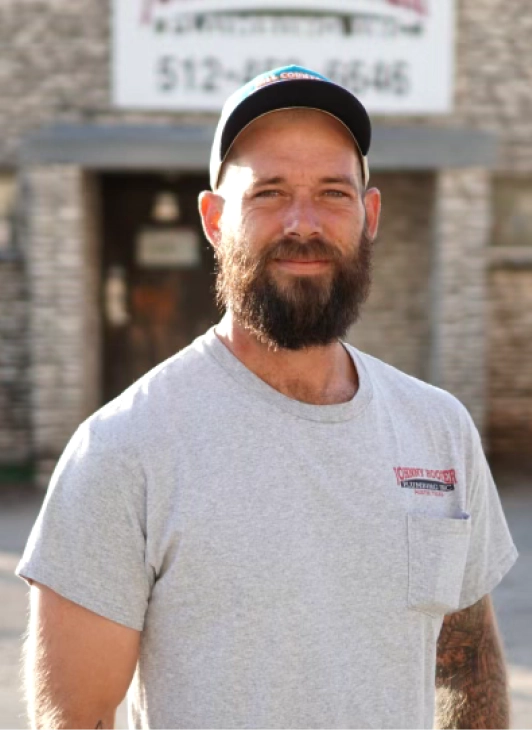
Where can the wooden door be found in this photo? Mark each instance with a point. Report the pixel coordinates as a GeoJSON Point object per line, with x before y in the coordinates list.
{"type": "Point", "coordinates": [157, 273]}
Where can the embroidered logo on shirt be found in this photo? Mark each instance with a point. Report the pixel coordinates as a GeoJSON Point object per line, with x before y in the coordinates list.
{"type": "Point", "coordinates": [430, 482]}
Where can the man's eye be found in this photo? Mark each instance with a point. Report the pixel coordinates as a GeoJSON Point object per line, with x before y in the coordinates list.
{"type": "Point", "coordinates": [336, 193]}
{"type": "Point", "coordinates": [268, 193]}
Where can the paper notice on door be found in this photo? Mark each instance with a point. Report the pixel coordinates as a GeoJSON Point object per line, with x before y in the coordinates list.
{"type": "Point", "coordinates": [174, 248]}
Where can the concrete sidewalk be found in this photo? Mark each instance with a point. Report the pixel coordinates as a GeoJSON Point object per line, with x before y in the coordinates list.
{"type": "Point", "coordinates": [513, 599]}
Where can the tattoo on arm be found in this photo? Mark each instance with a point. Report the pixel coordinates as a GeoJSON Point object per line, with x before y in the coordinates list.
{"type": "Point", "coordinates": [99, 725]}
{"type": "Point", "coordinates": [471, 681]}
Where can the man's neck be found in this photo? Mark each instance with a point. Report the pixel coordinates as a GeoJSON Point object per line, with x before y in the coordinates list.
{"type": "Point", "coordinates": [316, 375]}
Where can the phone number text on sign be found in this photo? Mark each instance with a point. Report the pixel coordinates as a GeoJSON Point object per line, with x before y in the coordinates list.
{"type": "Point", "coordinates": [175, 74]}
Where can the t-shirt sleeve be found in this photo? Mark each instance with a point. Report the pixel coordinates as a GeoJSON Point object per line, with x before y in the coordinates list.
{"type": "Point", "coordinates": [88, 543]}
{"type": "Point", "coordinates": [491, 551]}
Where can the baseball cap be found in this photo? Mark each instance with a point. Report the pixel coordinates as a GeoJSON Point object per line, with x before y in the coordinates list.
{"type": "Point", "coordinates": [289, 87]}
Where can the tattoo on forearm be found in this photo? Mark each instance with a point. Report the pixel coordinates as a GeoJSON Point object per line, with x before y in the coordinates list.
{"type": "Point", "coordinates": [99, 725]}
{"type": "Point", "coordinates": [471, 682]}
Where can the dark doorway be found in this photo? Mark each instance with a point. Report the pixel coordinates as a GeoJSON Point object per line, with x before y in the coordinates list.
{"type": "Point", "coordinates": [157, 273]}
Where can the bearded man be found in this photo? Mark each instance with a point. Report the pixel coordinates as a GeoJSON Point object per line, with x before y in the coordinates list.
{"type": "Point", "coordinates": [249, 531]}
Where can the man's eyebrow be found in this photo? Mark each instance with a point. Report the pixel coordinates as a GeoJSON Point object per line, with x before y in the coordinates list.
{"type": "Point", "coordinates": [276, 180]}
{"type": "Point", "coordinates": [340, 180]}
{"type": "Point", "coordinates": [332, 180]}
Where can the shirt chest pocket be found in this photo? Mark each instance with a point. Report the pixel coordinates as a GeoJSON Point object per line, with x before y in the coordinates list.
{"type": "Point", "coordinates": [437, 553]}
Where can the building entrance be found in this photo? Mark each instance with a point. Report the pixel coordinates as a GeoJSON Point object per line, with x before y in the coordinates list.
{"type": "Point", "coordinates": [157, 273]}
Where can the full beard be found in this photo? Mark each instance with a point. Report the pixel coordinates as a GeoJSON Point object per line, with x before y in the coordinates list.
{"type": "Point", "coordinates": [301, 311]}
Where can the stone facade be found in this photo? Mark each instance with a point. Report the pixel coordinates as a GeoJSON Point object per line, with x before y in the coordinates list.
{"type": "Point", "coordinates": [395, 322]}
{"type": "Point", "coordinates": [428, 312]}
{"type": "Point", "coordinates": [56, 68]}
{"type": "Point", "coordinates": [458, 286]}
{"type": "Point", "coordinates": [64, 300]}
{"type": "Point", "coordinates": [510, 363]}
{"type": "Point", "coordinates": [15, 417]}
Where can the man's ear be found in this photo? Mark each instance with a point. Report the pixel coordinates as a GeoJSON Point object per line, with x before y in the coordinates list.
{"type": "Point", "coordinates": [372, 204]}
{"type": "Point", "coordinates": [211, 208]}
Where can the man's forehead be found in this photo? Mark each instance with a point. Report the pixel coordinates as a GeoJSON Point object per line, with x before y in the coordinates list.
{"type": "Point", "coordinates": [276, 144]}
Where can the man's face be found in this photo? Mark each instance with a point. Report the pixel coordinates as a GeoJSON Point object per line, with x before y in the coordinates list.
{"type": "Point", "coordinates": [294, 244]}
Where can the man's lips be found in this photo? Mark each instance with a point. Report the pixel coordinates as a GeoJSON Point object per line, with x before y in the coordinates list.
{"type": "Point", "coordinates": [303, 262]}
{"type": "Point", "coordinates": [302, 265]}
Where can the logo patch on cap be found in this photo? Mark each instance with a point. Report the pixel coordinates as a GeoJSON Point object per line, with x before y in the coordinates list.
{"type": "Point", "coordinates": [287, 73]}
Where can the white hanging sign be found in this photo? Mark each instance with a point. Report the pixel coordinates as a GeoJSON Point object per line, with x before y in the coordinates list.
{"type": "Point", "coordinates": [189, 55]}
{"type": "Point", "coordinates": [179, 247]}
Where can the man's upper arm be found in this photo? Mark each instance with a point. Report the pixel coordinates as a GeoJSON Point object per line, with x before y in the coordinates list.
{"type": "Point", "coordinates": [78, 664]}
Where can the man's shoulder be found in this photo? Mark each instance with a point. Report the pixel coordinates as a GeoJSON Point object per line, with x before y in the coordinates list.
{"type": "Point", "coordinates": [164, 393]}
{"type": "Point", "coordinates": [410, 392]}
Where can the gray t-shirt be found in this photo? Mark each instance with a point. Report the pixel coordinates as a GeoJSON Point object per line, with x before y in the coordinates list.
{"type": "Point", "coordinates": [289, 565]}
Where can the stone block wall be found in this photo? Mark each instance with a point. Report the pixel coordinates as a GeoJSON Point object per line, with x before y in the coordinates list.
{"type": "Point", "coordinates": [395, 325]}
{"type": "Point", "coordinates": [426, 313]}
{"type": "Point", "coordinates": [494, 75]}
{"type": "Point", "coordinates": [462, 223]}
{"type": "Point", "coordinates": [510, 363]}
{"type": "Point", "coordinates": [56, 68]}
{"type": "Point", "coordinates": [63, 302]}
{"type": "Point", "coordinates": [15, 420]}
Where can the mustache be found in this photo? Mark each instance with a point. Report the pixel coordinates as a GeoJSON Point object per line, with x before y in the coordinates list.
{"type": "Point", "coordinates": [251, 267]}
{"type": "Point", "coordinates": [311, 250]}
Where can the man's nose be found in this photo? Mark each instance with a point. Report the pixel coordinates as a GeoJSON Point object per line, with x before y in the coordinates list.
{"type": "Point", "coordinates": [302, 220]}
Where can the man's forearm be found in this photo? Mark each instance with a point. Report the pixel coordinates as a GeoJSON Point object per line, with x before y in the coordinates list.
{"type": "Point", "coordinates": [61, 720]}
{"type": "Point", "coordinates": [78, 665]}
{"type": "Point", "coordinates": [471, 678]}
{"type": "Point", "coordinates": [55, 704]}
{"type": "Point", "coordinates": [46, 714]}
